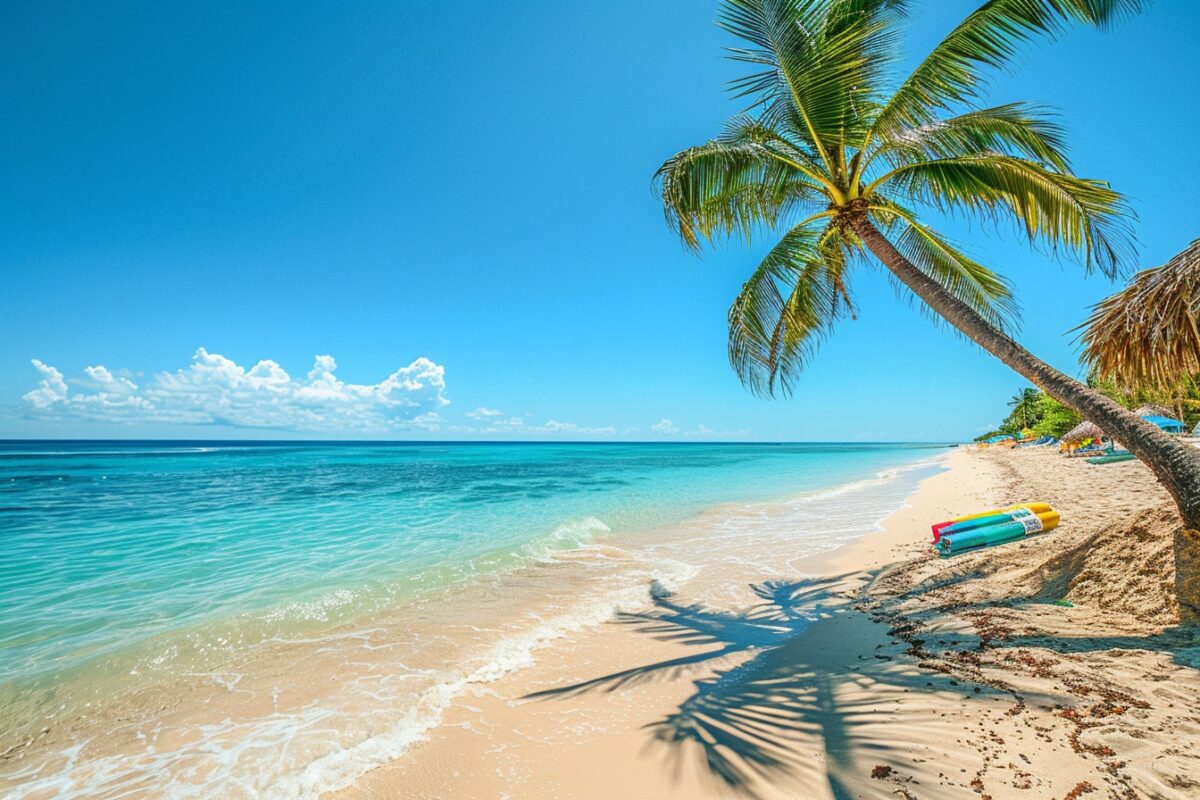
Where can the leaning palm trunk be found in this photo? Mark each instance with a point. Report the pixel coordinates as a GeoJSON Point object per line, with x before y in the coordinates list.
{"type": "Point", "coordinates": [1146, 335]}
{"type": "Point", "coordinates": [830, 153]}
{"type": "Point", "coordinates": [1175, 464]}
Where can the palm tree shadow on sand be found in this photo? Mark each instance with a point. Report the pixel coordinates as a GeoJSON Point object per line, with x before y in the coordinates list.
{"type": "Point", "coordinates": [801, 708]}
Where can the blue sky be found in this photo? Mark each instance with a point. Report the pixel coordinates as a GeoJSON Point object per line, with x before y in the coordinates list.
{"type": "Point", "coordinates": [453, 200]}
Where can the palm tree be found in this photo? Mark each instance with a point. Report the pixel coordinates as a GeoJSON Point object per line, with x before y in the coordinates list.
{"type": "Point", "coordinates": [1023, 404]}
{"type": "Point", "coordinates": [826, 152]}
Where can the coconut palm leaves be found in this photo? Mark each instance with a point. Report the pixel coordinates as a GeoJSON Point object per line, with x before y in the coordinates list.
{"type": "Point", "coordinates": [823, 139]}
{"type": "Point", "coordinates": [950, 74]}
{"type": "Point", "coordinates": [748, 178]}
{"type": "Point", "coordinates": [1024, 405]}
{"type": "Point", "coordinates": [1016, 129]}
{"type": "Point", "coordinates": [815, 64]}
{"type": "Point", "coordinates": [1051, 206]}
{"type": "Point", "coordinates": [1147, 334]}
{"type": "Point", "coordinates": [788, 306]}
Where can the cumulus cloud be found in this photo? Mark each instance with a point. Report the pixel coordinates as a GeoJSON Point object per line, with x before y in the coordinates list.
{"type": "Point", "coordinates": [51, 388]}
{"type": "Point", "coordinates": [215, 390]}
{"type": "Point", "coordinates": [665, 427]}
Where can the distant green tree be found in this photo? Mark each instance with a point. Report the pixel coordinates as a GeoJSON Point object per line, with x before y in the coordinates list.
{"type": "Point", "coordinates": [1024, 406]}
{"type": "Point", "coordinates": [1054, 418]}
{"type": "Point", "coordinates": [1035, 410]}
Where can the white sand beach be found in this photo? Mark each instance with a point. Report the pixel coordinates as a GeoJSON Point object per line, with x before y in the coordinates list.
{"type": "Point", "coordinates": [876, 670]}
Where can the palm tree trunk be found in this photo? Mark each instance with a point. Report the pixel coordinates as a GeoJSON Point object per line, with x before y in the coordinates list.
{"type": "Point", "coordinates": [1175, 464]}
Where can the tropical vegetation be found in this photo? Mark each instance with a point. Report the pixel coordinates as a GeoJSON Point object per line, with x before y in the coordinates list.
{"type": "Point", "coordinates": [837, 162]}
{"type": "Point", "coordinates": [1036, 412]}
{"type": "Point", "coordinates": [1023, 405]}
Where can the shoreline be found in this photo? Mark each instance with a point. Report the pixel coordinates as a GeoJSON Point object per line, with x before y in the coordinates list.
{"type": "Point", "coordinates": [829, 684]}
{"type": "Point", "coordinates": [654, 545]}
{"type": "Point", "coordinates": [416, 773]}
{"type": "Point", "coordinates": [415, 662]}
{"type": "Point", "coordinates": [933, 499]}
{"type": "Point", "coordinates": [805, 646]}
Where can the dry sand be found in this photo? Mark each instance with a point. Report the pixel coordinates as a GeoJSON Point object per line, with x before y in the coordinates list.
{"type": "Point", "coordinates": [873, 671]}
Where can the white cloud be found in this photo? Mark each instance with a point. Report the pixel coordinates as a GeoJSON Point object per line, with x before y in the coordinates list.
{"type": "Point", "coordinates": [554, 426]}
{"type": "Point", "coordinates": [665, 427]}
{"type": "Point", "coordinates": [497, 422]}
{"type": "Point", "coordinates": [104, 380]}
{"type": "Point", "coordinates": [51, 389]}
{"type": "Point", "coordinates": [494, 421]}
{"type": "Point", "coordinates": [429, 421]}
{"type": "Point", "coordinates": [483, 412]}
{"type": "Point", "coordinates": [216, 390]}
{"type": "Point", "coordinates": [705, 432]}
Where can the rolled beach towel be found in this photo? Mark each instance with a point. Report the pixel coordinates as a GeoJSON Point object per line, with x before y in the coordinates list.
{"type": "Point", "coordinates": [997, 533]}
{"type": "Point", "coordinates": [939, 529]}
{"type": "Point", "coordinates": [982, 537]}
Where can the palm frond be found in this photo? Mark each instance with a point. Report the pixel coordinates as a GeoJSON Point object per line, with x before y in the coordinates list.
{"type": "Point", "coordinates": [1016, 129]}
{"type": "Point", "coordinates": [780, 142]}
{"type": "Point", "coordinates": [787, 308]}
{"type": "Point", "coordinates": [817, 63]}
{"type": "Point", "coordinates": [989, 37]}
{"type": "Point", "coordinates": [727, 188]}
{"type": "Point", "coordinates": [1061, 210]}
{"type": "Point", "coordinates": [1147, 334]}
{"type": "Point", "coordinates": [985, 292]}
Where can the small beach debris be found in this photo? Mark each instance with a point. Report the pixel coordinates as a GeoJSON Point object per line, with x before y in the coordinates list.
{"type": "Point", "coordinates": [881, 772]}
{"type": "Point", "coordinates": [1081, 788]}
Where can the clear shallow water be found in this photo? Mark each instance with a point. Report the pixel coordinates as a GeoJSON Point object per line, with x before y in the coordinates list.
{"type": "Point", "coordinates": [125, 561]}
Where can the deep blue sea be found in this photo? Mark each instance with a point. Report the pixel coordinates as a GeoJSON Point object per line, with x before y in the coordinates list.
{"type": "Point", "coordinates": [128, 568]}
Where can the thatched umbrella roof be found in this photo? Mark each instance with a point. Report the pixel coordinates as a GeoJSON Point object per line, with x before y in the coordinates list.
{"type": "Point", "coordinates": [1152, 410]}
{"type": "Point", "coordinates": [1149, 332]}
{"type": "Point", "coordinates": [1084, 430]}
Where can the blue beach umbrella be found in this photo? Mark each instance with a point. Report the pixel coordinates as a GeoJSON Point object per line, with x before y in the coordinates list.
{"type": "Point", "coordinates": [1166, 423]}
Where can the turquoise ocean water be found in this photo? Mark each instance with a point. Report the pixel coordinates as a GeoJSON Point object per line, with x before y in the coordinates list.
{"type": "Point", "coordinates": [119, 558]}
